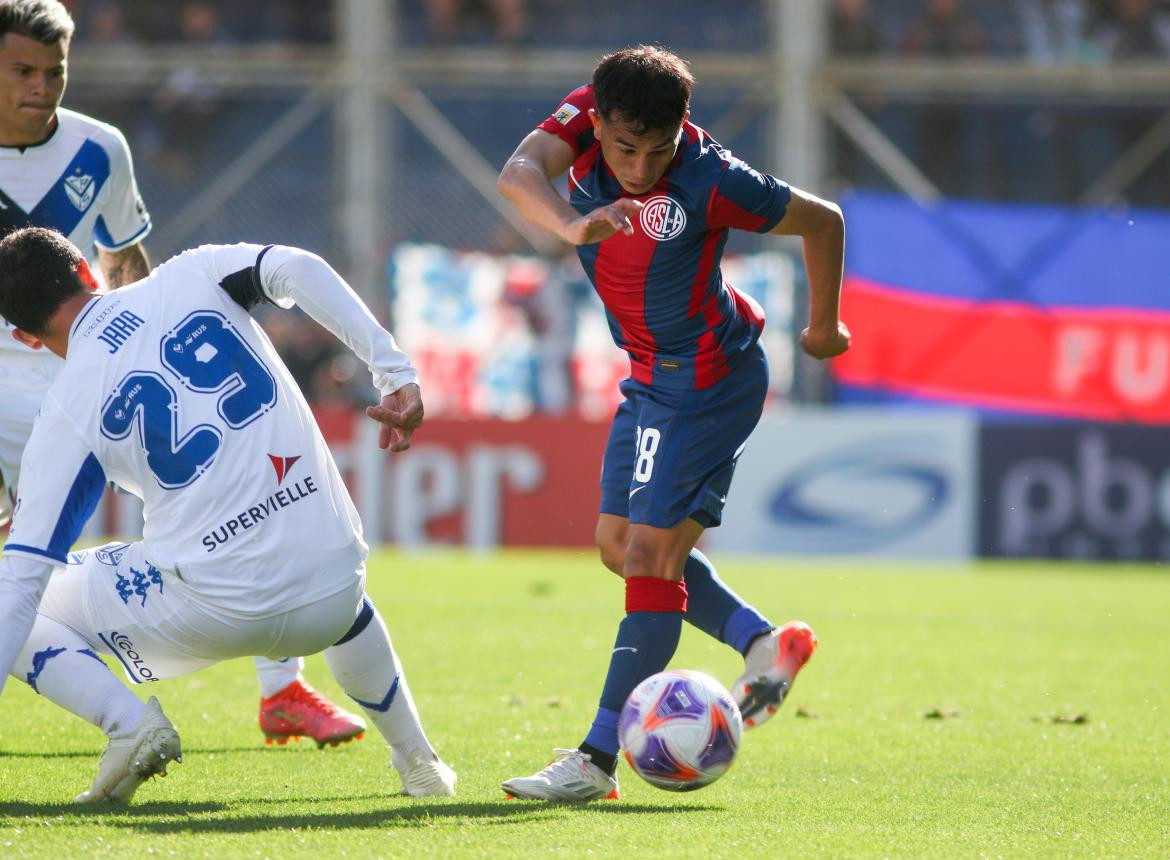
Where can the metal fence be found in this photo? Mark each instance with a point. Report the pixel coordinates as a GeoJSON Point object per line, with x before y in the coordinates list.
{"type": "Point", "coordinates": [352, 126]}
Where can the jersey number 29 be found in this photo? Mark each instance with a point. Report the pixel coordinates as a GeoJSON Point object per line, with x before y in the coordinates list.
{"type": "Point", "coordinates": [206, 355]}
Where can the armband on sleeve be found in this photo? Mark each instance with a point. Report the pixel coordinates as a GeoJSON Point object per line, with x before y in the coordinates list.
{"type": "Point", "coordinates": [244, 286]}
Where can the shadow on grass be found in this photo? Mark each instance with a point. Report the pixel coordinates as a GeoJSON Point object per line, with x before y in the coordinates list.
{"type": "Point", "coordinates": [22, 809]}
{"type": "Point", "coordinates": [505, 811]}
{"type": "Point", "coordinates": [97, 751]}
{"type": "Point", "coordinates": [310, 746]}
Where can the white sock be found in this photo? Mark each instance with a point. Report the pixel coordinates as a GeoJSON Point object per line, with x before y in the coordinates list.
{"type": "Point", "coordinates": [275, 675]}
{"type": "Point", "coordinates": [368, 670]}
{"type": "Point", "coordinates": [60, 665]}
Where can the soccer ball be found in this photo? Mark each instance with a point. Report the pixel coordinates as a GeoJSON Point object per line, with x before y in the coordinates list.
{"type": "Point", "coordinates": [680, 730]}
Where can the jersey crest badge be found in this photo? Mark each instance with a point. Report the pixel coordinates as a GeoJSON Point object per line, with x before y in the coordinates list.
{"type": "Point", "coordinates": [565, 113]}
{"type": "Point", "coordinates": [112, 555]}
{"type": "Point", "coordinates": [662, 218]}
{"type": "Point", "coordinates": [80, 188]}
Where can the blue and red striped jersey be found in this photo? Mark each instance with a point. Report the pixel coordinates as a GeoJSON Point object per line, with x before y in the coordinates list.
{"type": "Point", "coordinates": [668, 306]}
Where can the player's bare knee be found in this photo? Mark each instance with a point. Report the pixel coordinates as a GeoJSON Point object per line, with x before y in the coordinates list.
{"type": "Point", "coordinates": [613, 557]}
{"type": "Point", "coordinates": [611, 544]}
{"type": "Point", "coordinates": [645, 560]}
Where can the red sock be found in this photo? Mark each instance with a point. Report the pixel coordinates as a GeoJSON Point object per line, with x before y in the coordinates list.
{"type": "Point", "coordinates": [651, 594]}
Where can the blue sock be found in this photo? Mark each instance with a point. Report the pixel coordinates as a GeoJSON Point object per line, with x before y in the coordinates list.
{"type": "Point", "coordinates": [716, 609]}
{"type": "Point", "coordinates": [645, 643]}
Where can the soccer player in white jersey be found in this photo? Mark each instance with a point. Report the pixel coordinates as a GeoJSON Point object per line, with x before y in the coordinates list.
{"type": "Point", "coordinates": [251, 544]}
{"type": "Point", "coordinates": [67, 171]}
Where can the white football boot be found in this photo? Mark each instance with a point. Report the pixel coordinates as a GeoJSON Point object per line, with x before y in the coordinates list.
{"type": "Point", "coordinates": [423, 776]}
{"type": "Point", "coordinates": [771, 664]}
{"type": "Point", "coordinates": [572, 776]}
{"type": "Point", "coordinates": [128, 762]}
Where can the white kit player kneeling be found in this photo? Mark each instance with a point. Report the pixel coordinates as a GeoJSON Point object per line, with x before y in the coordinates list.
{"type": "Point", "coordinates": [251, 543]}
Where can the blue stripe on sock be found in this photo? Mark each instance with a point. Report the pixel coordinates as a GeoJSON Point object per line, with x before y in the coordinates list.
{"type": "Point", "coordinates": [384, 705]}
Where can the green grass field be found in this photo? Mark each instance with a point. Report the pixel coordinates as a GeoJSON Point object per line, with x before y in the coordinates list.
{"type": "Point", "coordinates": [505, 654]}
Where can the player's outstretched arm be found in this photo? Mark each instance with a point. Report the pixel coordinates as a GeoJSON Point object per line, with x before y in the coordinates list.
{"type": "Point", "coordinates": [125, 266]}
{"type": "Point", "coordinates": [291, 275]}
{"type": "Point", "coordinates": [526, 181]}
{"type": "Point", "coordinates": [400, 413]}
{"type": "Point", "coordinates": [822, 227]}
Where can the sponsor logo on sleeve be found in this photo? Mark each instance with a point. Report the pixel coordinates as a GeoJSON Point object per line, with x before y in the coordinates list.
{"type": "Point", "coordinates": [565, 113]}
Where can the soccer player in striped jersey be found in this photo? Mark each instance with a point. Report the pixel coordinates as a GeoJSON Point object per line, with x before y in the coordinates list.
{"type": "Point", "coordinates": [74, 174]}
{"type": "Point", "coordinates": [651, 200]}
{"type": "Point", "coordinates": [251, 544]}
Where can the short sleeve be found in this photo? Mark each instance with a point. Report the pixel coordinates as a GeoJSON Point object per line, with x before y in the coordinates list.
{"type": "Point", "coordinates": [570, 122]}
{"type": "Point", "coordinates": [123, 220]}
{"type": "Point", "coordinates": [746, 199]}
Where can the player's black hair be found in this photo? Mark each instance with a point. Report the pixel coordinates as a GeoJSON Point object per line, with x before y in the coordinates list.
{"type": "Point", "coordinates": [647, 87]}
{"type": "Point", "coordinates": [38, 273]}
{"type": "Point", "coordinates": [47, 21]}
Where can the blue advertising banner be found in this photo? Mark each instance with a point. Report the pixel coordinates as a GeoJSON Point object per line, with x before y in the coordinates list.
{"type": "Point", "coordinates": [1076, 491]}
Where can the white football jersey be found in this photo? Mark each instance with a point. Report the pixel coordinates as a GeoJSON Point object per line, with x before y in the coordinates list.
{"type": "Point", "coordinates": [173, 392]}
{"type": "Point", "coordinates": [79, 182]}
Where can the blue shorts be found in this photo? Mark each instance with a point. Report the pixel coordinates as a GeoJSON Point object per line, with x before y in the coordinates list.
{"type": "Point", "coordinates": [671, 452]}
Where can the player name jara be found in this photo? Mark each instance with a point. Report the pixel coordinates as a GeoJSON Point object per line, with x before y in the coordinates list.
{"type": "Point", "coordinates": [119, 329]}
{"type": "Point", "coordinates": [256, 514]}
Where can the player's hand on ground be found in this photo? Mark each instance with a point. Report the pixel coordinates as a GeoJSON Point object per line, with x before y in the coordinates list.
{"type": "Point", "coordinates": [827, 343]}
{"type": "Point", "coordinates": [602, 223]}
{"type": "Point", "coordinates": [400, 414]}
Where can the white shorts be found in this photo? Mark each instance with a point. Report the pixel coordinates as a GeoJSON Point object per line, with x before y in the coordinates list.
{"type": "Point", "coordinates": [16, 420]}
{"type": "Point", "coordinates": [159, 628]}
{"type": "Point", "coordinates": [25, 376]}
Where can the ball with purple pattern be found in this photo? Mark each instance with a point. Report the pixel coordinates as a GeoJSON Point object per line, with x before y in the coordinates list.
{"type": "Point", "coordinates": [680, 730]}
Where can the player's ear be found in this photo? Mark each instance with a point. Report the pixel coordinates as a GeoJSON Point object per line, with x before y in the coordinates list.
{"type": "Point", "coordinates": [595, 118]}
{"type": "Point", "coordinates": [29, 340]}
{"type": "Point", "coordinates": [85, 275]}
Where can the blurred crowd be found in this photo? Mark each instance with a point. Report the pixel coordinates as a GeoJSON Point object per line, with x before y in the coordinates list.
{"type": "Point", "coordinates": [1004, 147]}
{"type": "Point", "coordinates": [1044, 30]}
{"type": "Point", "coordinates": [1023, 148]}
{"type": "Point", "coordinates": [124, 23]}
